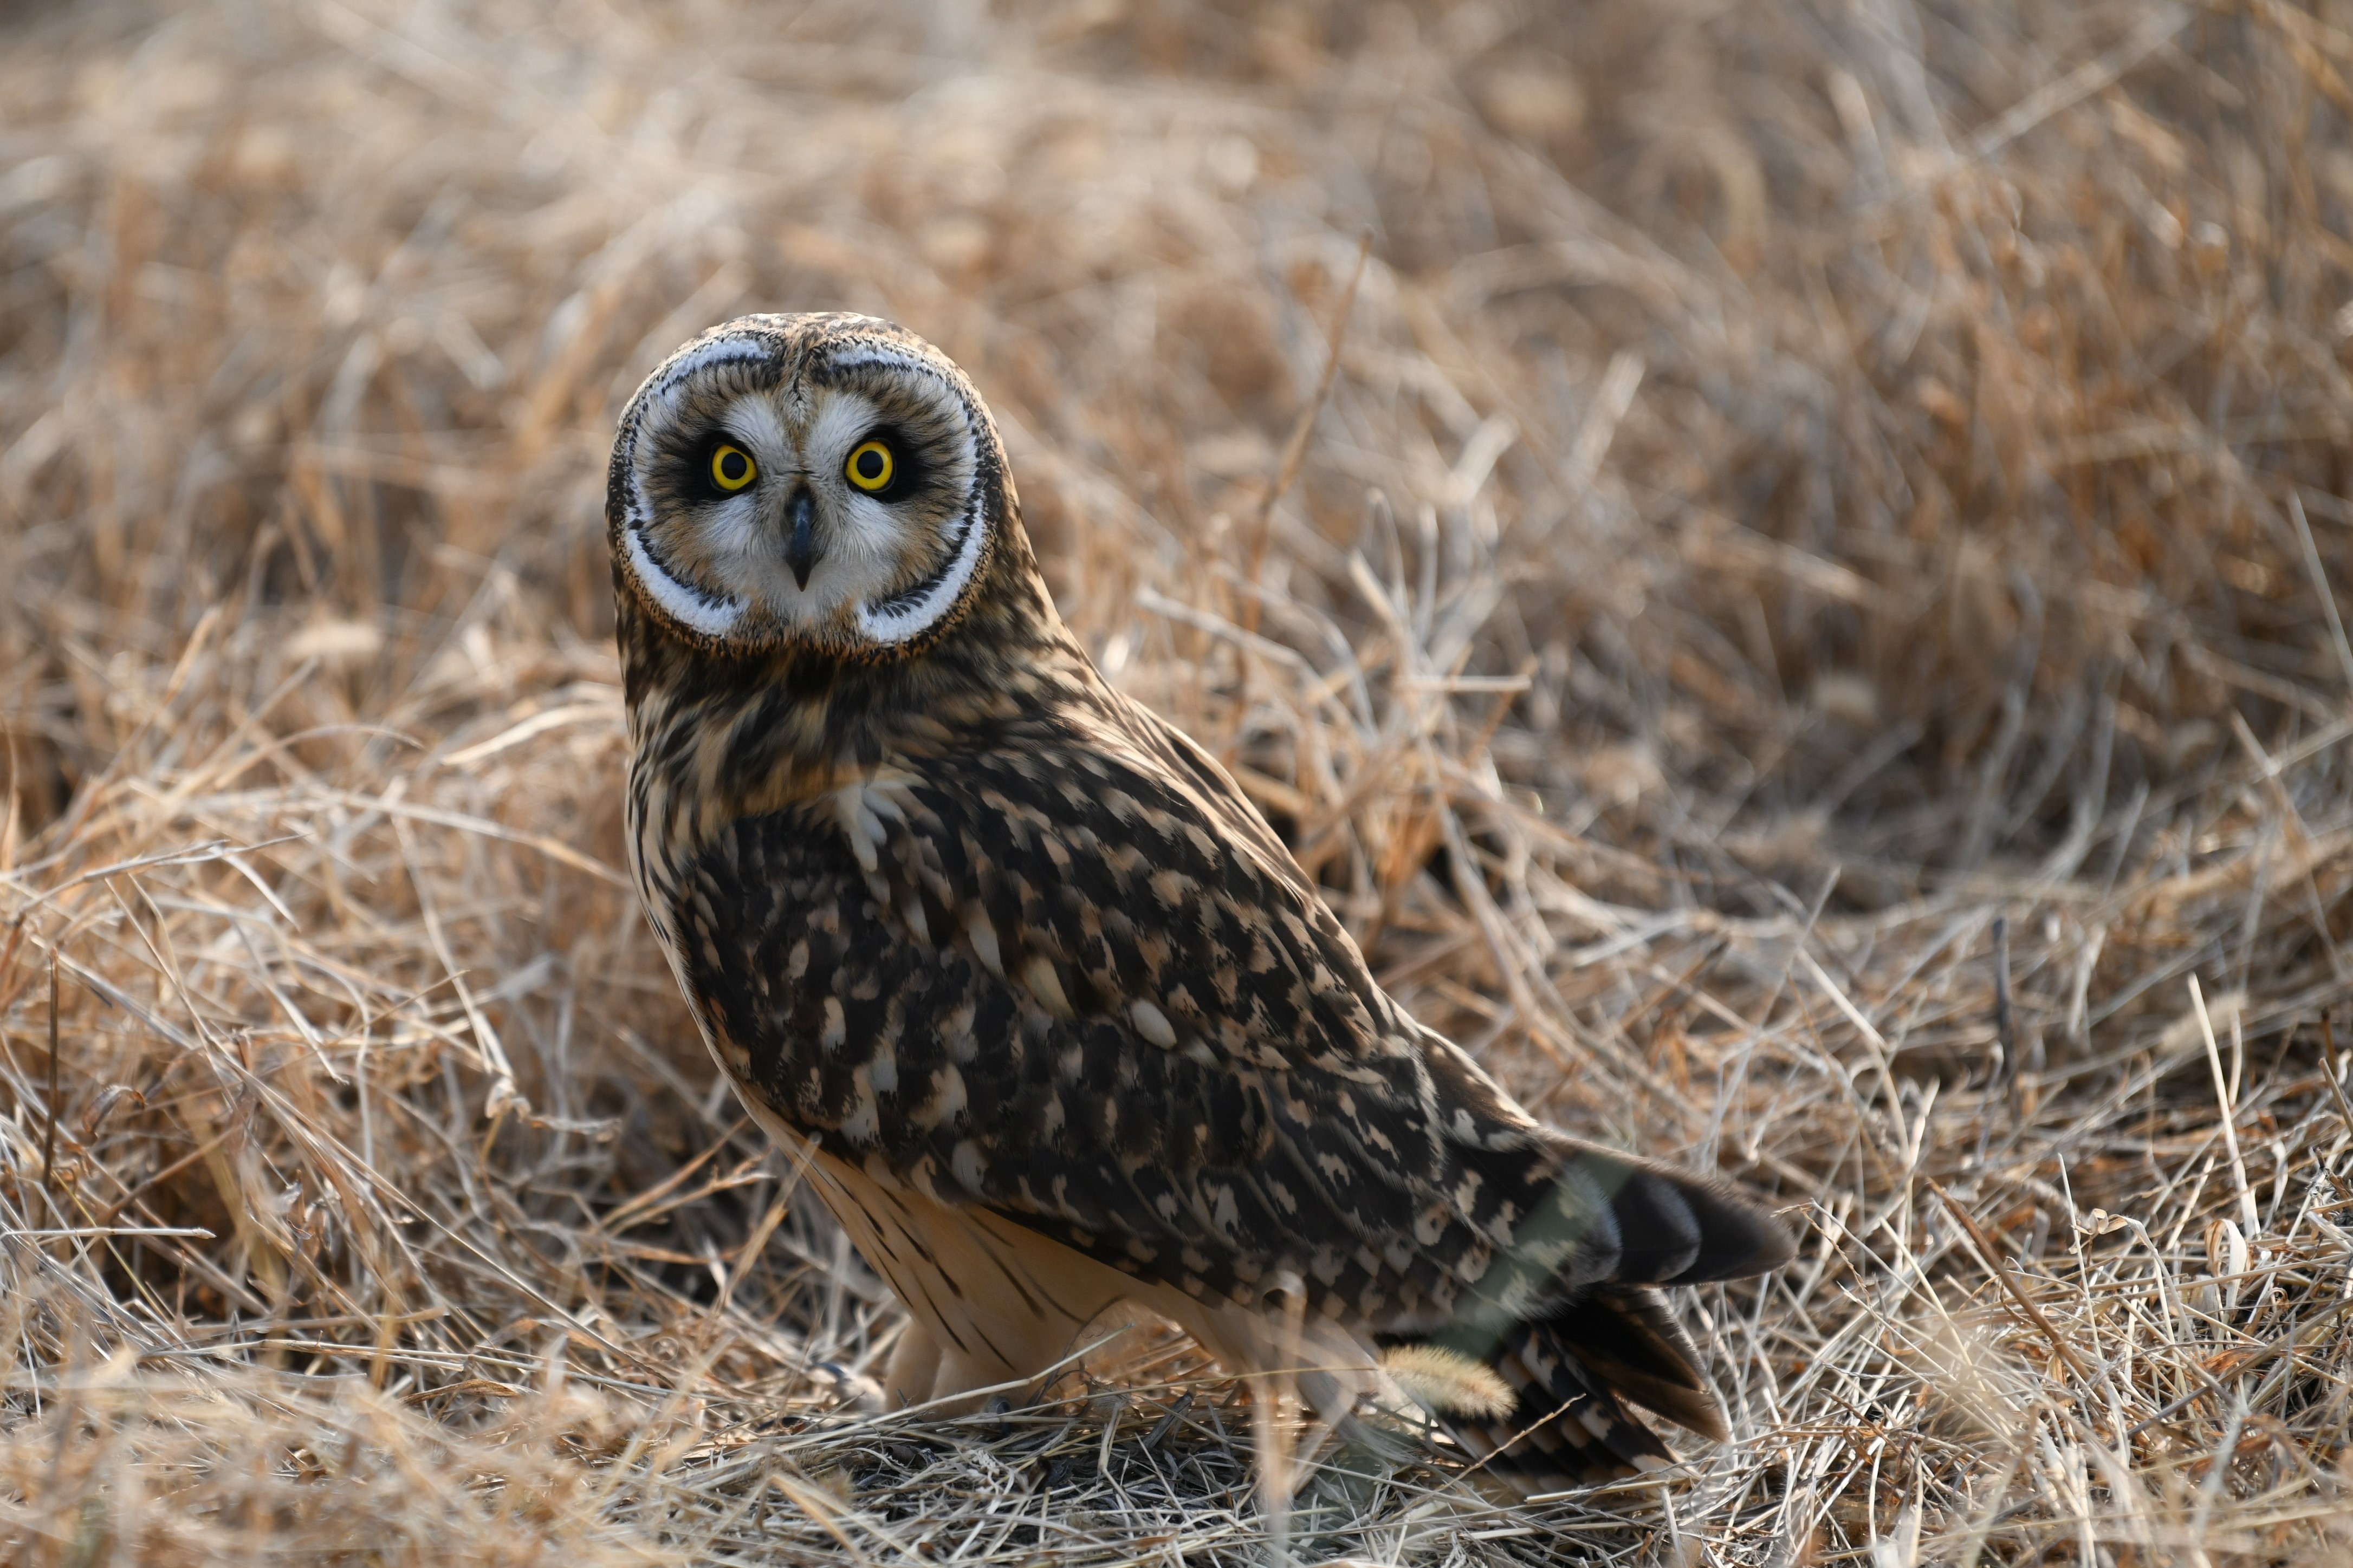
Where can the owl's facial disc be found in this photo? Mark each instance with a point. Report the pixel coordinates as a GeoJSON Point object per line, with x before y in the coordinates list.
{"type": "Point", "coordinates": [833, 500]}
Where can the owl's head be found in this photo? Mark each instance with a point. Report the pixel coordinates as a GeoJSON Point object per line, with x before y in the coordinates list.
{"type": "Point", "coordinates": [828, 483]}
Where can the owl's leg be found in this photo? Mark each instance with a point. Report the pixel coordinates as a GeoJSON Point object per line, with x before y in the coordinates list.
{"type": "Point", "coordinates": [914, 1367]}
{"type": "Point", "coordinates": [1320, 1361]}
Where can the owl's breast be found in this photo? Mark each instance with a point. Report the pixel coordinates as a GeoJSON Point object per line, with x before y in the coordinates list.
{"type": "Point", "coordinates": [819, 1004]}
{"type": "Point", "coordinates": [666, 803]}
{"type": "Point", "coordinates": [697, 765]}
{"type": "Point", "coordinates": [674, 809]}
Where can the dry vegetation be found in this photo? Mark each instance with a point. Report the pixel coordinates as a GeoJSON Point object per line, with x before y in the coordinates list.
{"type": "Point", "coordinates": [1803, 633]}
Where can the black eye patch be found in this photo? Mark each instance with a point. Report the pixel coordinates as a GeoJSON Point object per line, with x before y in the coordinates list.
{"type": "Point", "coordinates": [716, 467]}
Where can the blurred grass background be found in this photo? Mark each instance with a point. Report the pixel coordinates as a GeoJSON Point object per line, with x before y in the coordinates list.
{"type": "Point", "coordinates": [1808, 632]}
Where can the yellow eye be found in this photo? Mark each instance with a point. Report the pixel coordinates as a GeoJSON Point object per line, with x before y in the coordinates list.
{"type": "Point", "coordinates": [731, 468]}
{"type": "Point", "coordinates": [871, 466]}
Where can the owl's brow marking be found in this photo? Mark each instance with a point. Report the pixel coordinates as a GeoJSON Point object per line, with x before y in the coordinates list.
{"type": "Point", "coordinates": [710, 356]}
{"type": "Point", "coordinates": [883, 359]}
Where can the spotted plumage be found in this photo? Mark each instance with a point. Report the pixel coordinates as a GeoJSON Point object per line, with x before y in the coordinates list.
{"type": "Point", "coordinates": [1054, 1014]}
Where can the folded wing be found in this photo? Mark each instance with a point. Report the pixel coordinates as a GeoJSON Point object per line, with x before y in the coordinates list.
{"type": "Point", "coordinates": [1073, 978]}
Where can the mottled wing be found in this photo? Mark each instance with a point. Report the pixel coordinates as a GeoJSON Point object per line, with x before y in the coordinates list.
{"type": "Point", "coordinates": [1050, 976]}
{"type": "Point", "coordinates": [1072, 977]}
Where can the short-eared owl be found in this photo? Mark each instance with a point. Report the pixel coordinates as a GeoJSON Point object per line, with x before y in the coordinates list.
{"type": "Point", "coordinates": [1054, 1015]}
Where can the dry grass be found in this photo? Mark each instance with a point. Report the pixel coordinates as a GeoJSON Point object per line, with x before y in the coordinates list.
{"type": "Point", "coordinates": [1802, 634]}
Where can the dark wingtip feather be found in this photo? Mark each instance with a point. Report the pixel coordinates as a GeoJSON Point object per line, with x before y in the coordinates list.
{"type": "Point", "coordinates": [1738, 1236]}
{"type": "Point", "coordinates": [1577, 1363]}
{"type": "Point", "coordinates": [1675, 1229]}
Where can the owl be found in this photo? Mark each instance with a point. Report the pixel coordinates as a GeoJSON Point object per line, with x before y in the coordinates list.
{"type": "Point", "coordinates": [1050, 1016]}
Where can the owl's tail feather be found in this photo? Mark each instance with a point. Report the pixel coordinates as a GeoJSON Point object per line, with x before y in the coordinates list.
{"type": "Point", "coordinates": [1576, 1363]}
{"type": "Point", "coordinates": [1567, 1425]}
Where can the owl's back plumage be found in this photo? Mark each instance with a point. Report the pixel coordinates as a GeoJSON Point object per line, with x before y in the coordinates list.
{"type": "Point", "coordinates": [1059, 1019]}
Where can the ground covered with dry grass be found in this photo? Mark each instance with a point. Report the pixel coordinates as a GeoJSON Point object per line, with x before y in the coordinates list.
{"type": "Point", "coordinates": [1807, 631]}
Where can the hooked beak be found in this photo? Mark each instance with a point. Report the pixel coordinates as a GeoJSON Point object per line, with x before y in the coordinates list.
{"type": "Point", "coordinates": [800, 549]}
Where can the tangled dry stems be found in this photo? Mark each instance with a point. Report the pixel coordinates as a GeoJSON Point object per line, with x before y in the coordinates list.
{"type": "Point", "coordinates": [1807, 630]}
